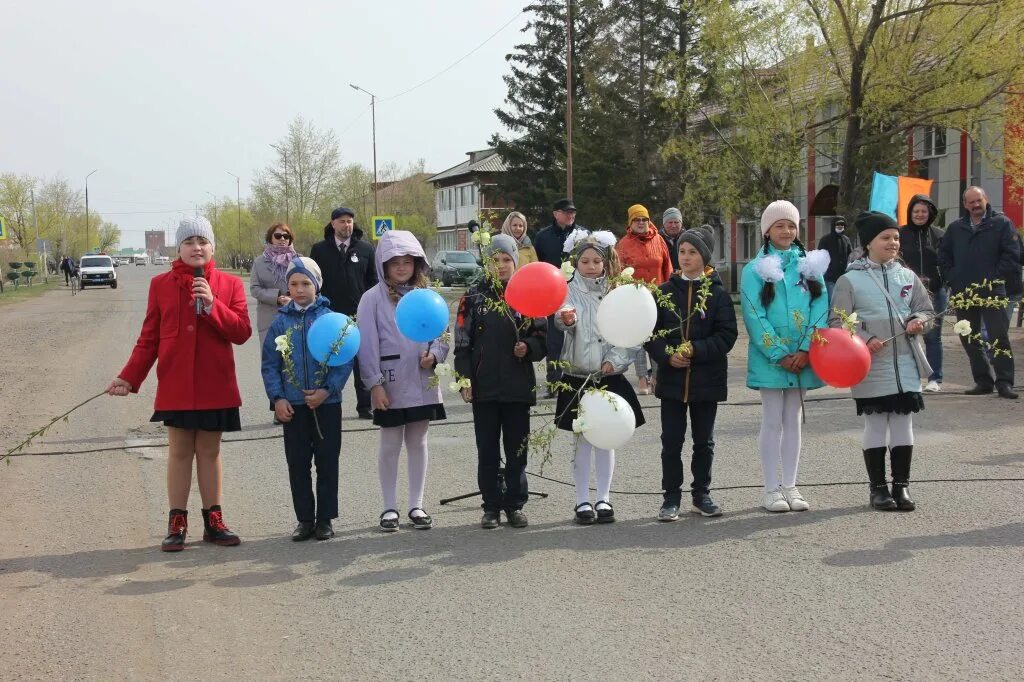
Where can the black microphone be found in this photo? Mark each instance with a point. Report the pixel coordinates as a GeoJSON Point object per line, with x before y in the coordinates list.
{"type": "Point", "coordinates": [198, 272]}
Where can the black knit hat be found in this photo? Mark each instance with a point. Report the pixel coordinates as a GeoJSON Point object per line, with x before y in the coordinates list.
{"type": "Point", "coordinates": [870, 224]}
{"type": "Point", "coordinates": [702, 239]}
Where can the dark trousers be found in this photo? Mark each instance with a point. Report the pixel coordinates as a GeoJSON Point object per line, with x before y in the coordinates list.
{"type": "Point", "coordinates": [508, 422]}
{"type": "Point", "coordinates": [304, 447]}
{"type": "Point", "coordinates": [673, 433]}
{"type": "Point", "coordinates": [998, 330]}
{"type": "Point", "coordinates": [362, 393]}
{"type": "Point", "coordinates": [554, 340]}
{"type": "Point", "coordinates": [67, 277]}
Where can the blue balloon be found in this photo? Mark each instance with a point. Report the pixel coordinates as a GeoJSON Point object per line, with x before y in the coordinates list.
{"type": "Point", "coordinates": [325, 332]}
{"type": "Point", "coordinates": [422, 315]}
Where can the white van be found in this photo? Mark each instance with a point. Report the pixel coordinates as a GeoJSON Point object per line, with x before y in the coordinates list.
{"type": "Point", "coordinates": [98, 269]}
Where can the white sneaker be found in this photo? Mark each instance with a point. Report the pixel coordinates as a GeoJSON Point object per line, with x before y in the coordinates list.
{"type": "Point", "coordinates": [933, 387]}
{"type": "Point", "coordinates": [795, 499]}
{"type": "Point", "coordinates": [775, 501]}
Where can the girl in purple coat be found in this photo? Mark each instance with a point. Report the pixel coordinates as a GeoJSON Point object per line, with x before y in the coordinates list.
{"type": "Point", "coordinates": [399, 372]}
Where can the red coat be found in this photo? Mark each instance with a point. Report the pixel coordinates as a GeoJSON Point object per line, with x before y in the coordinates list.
{"type": "Point", "coordinates": [647, 255]}
{"type": "Point", "coordinates": [195, 363]}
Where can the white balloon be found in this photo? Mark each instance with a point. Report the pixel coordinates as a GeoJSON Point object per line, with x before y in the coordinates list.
{"type": "Point", "coordinates": [608, 420]}
{"type": "Point", "coordinates": [627, 315]}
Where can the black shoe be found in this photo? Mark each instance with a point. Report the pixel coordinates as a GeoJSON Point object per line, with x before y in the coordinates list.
{"type": "Point", "coordinates": [490, 520]}
{"type": "Point", "coordinates": [214, 529]}
{"type": "Point", "coordinates": [669, 512]}
{"type": "Point", "coordinates": [978, 389]}
{"type": "Point", "coordinates": [177, 528]}
{"type": "Point", "coordinates": [389, 525]}
{"type": "Point", "coordinates": [516, 518]}
{"type": "Point", "coordinates": [585, 514]}
{"type": "Point", "coordinates": [1005, 391]}
{"type": "Point", "coordinates": [421, 521]}
{"type": "Point", "coordinates": [705, 506]}
{"type": "Point", "coordinates": [605, 514]}
{"type": "Point", "coordinates": [881, 500]}
{"type": "Point", "coordinates": [901, 495]}
{"type": "Point", "coordinates": [324, 530]}
{"type": "Point", "coordinates": [303, 531]}
{"type": "Point", "coordinates": [365, 413]}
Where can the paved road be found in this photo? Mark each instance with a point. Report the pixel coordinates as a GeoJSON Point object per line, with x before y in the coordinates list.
{"type": "Point", "coordinates": [837, 592]}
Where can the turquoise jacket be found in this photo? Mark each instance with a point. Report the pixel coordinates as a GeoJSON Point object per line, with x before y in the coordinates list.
{"type": "Point", "coordinates": [784, 327]}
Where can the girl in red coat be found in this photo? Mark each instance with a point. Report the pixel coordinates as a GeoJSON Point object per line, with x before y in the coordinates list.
{"type": "Point", "coordinates": [191, 322]}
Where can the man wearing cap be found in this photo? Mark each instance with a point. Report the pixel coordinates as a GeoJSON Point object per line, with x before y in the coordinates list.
{"type": "Point", "coordinates": [550, 247]}
{"type": "Point", "coordinates": [671, 228]}
{"type": "Point", "coordinates": [839, 248]}
{"type": "Point", "coordinates": [347, 264]}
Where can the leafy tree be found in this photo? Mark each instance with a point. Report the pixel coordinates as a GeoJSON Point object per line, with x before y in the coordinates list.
{"type": "Point", "coordinates": [108, 236]}
{"type": "Point", "coordinates": [16, 208]}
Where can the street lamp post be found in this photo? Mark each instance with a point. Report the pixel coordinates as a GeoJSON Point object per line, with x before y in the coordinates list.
{"type": "Point", "coordinates": [238, 207]}
{"type": "Point", "coordinates": [87, 211]}
{"type": "Point", "coordinates": [373, 119]}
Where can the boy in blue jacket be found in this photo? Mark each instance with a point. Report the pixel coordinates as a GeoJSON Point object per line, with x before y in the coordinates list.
{"type": "Point", "coordinates": [311, 415]}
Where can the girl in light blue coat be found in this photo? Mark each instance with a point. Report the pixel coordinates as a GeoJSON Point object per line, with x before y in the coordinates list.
{"type": "Point", "coordinates": [893, 310]}
{"type": "Point", "coordinates": [782, 301]}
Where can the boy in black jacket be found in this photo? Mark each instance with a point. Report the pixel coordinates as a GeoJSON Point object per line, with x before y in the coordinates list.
{"type": "Point", "coordinates": [496, 350]}
{"type": "Point", "coordinates": [692, 370]}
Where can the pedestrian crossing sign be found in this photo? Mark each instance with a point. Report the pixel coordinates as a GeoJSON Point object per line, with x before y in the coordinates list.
{"type": "Point", "coordinates": [3, 228]}
{"type": "Point", "coordinates": [381, 224]}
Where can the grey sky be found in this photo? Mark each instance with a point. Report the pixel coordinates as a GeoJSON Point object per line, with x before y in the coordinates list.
{"type": "Point", "coordinates": [164, 98]}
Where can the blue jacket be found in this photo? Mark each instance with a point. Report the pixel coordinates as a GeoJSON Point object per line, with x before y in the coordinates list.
{"type": "Point", "coordinates": [784, 327]}
{"type": "Point", "coordinates": [306, 366]}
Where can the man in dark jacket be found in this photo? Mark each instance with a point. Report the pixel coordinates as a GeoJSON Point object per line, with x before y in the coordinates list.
{"type": "Point", "coordinates": [346, 262]}
{"type": "Point", "coordinates": [983, 246]}
{"type": "Point", "coordinates": [550, 246]}
{"type": "Point", "coordinates": [919, 249]}
{"type": "Point", "coordinates": [839, 248]}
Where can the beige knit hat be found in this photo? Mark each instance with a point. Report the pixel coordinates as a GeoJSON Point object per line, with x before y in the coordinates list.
{"type": "Point", "coordinates": [779, 210]}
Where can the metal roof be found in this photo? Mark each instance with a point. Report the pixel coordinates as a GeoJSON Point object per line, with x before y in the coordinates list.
{"type": "Point", "coordinates": [492, 163]}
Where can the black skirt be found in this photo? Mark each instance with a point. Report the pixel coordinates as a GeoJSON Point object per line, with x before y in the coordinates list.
{"type": "Point", "coordinates": [400, 416]}
{"type": "Point", "coordinates": [223, 419]}
{"type": "Point", "coordinates": [567, 405]}
{"type": "Point", "coordinates": [899, 403]}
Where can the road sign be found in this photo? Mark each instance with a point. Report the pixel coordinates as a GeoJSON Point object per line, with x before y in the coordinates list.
{"type": "Point", "coordinates": [381, 224]}
{"type": "Point", "coordinates": [3, 228]}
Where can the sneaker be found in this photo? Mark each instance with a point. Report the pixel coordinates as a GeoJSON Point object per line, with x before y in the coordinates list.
{"type": "Point", "coordinates": [775, 501]}
{"type": "Point", "coordinates": [490, 519]}
{"type": "Point", "coordinates": [933, 386]}
{"type": "Point", "coordinates": [795, 499]}
{"type": "Point", "coordinates": [668, 512]}
{"type": "Point", "coordinates": [705, 506]}
{"type": "Point", "coordinates": [516, 518]}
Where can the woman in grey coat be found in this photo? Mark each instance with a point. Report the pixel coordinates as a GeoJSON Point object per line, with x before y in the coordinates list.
{"type": "Point", "coordinates": [267, 284]}
{"type": "Point", "coordinates": [892, 310]}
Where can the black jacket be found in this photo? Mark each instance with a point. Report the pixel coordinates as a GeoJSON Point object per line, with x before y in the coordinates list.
{"type": "Point", "coordinates": [990, 251]}
{"type": "Point", "coordinates": [839, 248]}
{"type": "Point", "coordinates": [712, 336]}
{"type": "Point", "coordinates": [549, 243]}
{"type": "Point", "coordinates": [673, 248]}
{"type": "Point", "coordinates": [346, 277]}
{"type": "Point", "coordinates": [484, 339]}
{"type": "Point", "coordinates": [919, 245]}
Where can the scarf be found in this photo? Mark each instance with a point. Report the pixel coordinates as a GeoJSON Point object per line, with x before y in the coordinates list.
{"type": "Point", "coordinates": [522, 242]}
{"type": "Point", "coordinates": [647, 236]}
{"type": "Point", "coordinates": [279, 257]}
{"type": "Point", "coordinates": [183, 273]}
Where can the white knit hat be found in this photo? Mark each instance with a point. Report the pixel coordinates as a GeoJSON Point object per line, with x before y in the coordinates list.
{"type": "Point", "coordinates": [195, 226]}
{"type": "Point", "coordinates": [305, 266]}
{"type": "Point", "coordinates": [779, 210]}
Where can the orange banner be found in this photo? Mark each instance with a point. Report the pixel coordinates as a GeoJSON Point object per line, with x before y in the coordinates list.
{"type": "Point", "coordinates": [908, 187]}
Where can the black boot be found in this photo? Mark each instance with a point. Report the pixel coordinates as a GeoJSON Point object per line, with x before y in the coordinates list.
{"type": "Point", "coordinates": [177, 527]}
{"type": "Point", "coordinates": [900, 456]}
{"type": "Point", "coordinates": [215, 531]}
{"type": "Point", "coordinates": [874, 460]}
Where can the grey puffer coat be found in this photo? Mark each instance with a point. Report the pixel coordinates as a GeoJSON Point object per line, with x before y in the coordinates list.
{"type": "Point", "coordinates": [900, 364]}
{"type": "Point", "coordinates": [583, 347]}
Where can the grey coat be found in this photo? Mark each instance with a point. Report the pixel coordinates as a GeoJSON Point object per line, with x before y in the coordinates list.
{"type": "Point", "coordinates": [583, 347]}
{"type": "Point", "coordinates": [900, 364]}
{"type": "Point", "coordinates": [265, 288]}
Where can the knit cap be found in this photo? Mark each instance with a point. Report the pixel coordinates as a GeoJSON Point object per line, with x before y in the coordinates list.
{"type": "Point", "coordinates": [671, 214]}
{"type": "Point", "coordinates": [504, 244]}
{"type": "Point", "coordinates": [637, 211]}
{"type": "Point", "coordinates": [702, 239]}
{"type": "Point", "coordinates": [308, 267]}
{"type": "Point", "coordinates": [870, 224]}
{"type": "Point", "coordinates": [194, 226]}
{"type": "Point", "coordinates": [779, 210]}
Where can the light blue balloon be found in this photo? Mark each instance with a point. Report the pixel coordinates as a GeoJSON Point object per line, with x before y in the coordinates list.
{"type": "Point", "coordinates": [422, 315]}
{"type": "Point", "coordinates": [326, 331]}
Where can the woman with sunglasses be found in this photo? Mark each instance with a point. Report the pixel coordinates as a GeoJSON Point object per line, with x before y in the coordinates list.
{"type": "Point", "coordinates": [267, 283]}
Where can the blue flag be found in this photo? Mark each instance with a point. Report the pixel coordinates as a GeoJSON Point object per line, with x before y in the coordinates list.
{"type": "Point", "coordinates": [885, 192]}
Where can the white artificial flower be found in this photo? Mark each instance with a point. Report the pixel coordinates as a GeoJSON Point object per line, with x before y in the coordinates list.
{"type": "Point", "coordinates": [578, 425]}
{"type": "Point", "coordinates": [769, 268]}
{"type": "Point", "coordinates": [464, 382]}
{"type": "Point", "coordinates": [443, 370]}
{"type": "Point", "coordinates": [282, 344]}
{"type": "Point", "coordinates": [963, 328]}
{"type": "Point", "coordinates": [605, 238]}
{"type": "Point", "coordinates": [568, 270]}
{"type": "Point", "coordinates": [453, 387]}
{"type": "Point", "coordinates": [485, 238]}
{"type": "Point", "coordinates": [852, 319]}
{"type": "Point", "coordinates": [575, 237]}
{"type": "Point", "coordinates": [628, 273]}
{"type": "Point", "coordinates": [814, 264]}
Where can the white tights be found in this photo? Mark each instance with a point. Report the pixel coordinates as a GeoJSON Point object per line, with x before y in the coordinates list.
{"type": "Point", "coordinates": [779, 439]}
{"type": "Point", "coordinates": [604, 461]}
{"type": "Point", "coordinates": [415, 437]}
{"type": "Point", "coordinates": [900, 429]}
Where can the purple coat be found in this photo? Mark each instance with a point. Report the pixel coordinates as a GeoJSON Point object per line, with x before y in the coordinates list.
{"type": "Point", "coordinates": [383, 350]}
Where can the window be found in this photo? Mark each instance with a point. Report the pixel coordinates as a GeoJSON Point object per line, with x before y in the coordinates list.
{"type": "Point", "coordinates": [933, 142]}
{"type": "Point", "coordinates": [975, 165]}
{"type": "Point", "coordinates": [446, 240]}
{"type": "Point", "coordinates": [472, 194]}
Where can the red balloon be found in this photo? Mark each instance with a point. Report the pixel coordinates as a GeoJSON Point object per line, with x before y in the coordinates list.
{"type": "Point", "coordinates": [536, 290]}
{"type": "Point", "coordinates": [840, 359]}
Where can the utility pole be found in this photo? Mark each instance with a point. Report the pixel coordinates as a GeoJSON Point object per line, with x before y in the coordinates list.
{"type": "Point", "coordinates": [568, 101]}
{"type": "Point", "coordinates": [373, 123]}
{"type": "Point", "coordinates": [87, 211]}
{"type": "Point", "coordinates": [238, 207]}
{"type": "Point", "coordinates": [35, 224]}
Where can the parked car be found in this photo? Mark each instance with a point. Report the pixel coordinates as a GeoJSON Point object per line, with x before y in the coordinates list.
{"type": "Point", "coordinates": [141, 260]}
{"type": "Point", "coordinates": [455, 267]}
{"type": "Point", "coordinates": [161, 260]}
{"type": "Point", "coordinates": [95, 270]}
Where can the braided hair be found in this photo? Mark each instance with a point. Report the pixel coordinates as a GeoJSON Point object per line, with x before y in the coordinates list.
{"type": "Point", "coordinates": [768, 291]}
